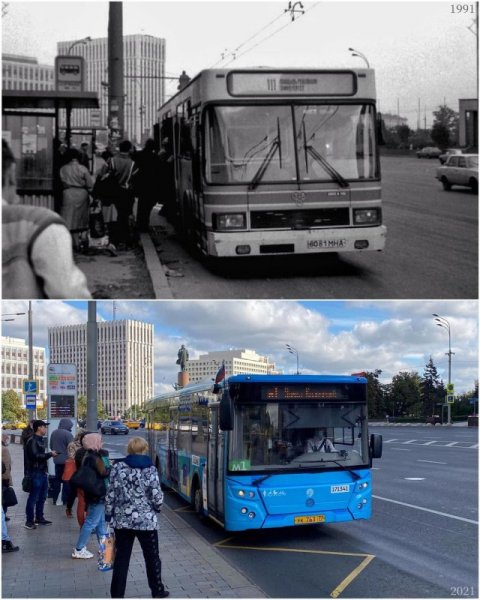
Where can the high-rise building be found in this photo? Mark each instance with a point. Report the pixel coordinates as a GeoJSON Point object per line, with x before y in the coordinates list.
{"type": "Point", "coordinates": [15, 366]}
{"type": "Point", "coordinates": [124, 360]}
{"type": "Point", "coordinates": [25, 73]}
{"type": "Point", "coordinates": [237, 362]}
{"type": "Point", "coordinates": [144, 83]}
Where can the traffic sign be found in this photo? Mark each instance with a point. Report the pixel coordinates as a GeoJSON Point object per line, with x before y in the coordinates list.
{"type": "Point", "coordinates": [450, 389]}
{"type": "Point", "coordinates": [30, 401]}
{"type": "Point", "coordinates": [450, 399]}
{"type": "Point", "coordinates": [30, 386]}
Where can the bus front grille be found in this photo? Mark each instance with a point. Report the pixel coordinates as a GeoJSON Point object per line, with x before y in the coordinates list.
{"type": "Point", "coordinates": [300, 219]}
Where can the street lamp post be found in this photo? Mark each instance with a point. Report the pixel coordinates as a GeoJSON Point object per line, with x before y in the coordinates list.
{"type": "Point", "coordinates": [83, 41]}
{"type": "Point", "coordinates": [293, 350]}
{"type": "Point", "coordinates": [360, 55]}
{"type": "Point", "coordinates": [444, 323]}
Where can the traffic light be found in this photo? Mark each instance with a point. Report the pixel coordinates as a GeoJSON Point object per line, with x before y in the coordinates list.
{"type": "Point", "coordinates": [450, 389]}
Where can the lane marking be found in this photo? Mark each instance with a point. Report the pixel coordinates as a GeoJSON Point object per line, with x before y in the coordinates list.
{"type": "Point", "coordinates": [367, 559]}
{"type": "Point", "coordinates": [435, 512]}
{"type": "Point", "coordinates": [348, 580]}
{"type": "Point", "coordinates": [434, 462]}
{"type": "Point", "coordinates": [415, 478]}
{"type": "Point", "coordinates": [402, 449]}
{"type": "Point", "coordinates": [451, 444]}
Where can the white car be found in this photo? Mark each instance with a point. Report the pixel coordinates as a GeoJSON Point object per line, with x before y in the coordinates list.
{"type": "Point", "coordinates": [459, 169]}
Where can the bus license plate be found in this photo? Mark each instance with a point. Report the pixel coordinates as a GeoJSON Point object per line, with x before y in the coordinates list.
{"type": "Point", "coordinates": [314, 244]}
{"type": "Point", "coordinates": [306, 520]}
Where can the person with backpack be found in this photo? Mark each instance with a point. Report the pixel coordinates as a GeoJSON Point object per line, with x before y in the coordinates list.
{"type": "Point", "coordinates": [99, 466]}
{"type": "Point", "coordinates": [134, 498]}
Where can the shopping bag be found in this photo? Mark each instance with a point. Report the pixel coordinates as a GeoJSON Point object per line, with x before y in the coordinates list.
{"type": "Point", "coordinates": [96, 222]}
{"type": "Point", "coordinates": [106, 552]}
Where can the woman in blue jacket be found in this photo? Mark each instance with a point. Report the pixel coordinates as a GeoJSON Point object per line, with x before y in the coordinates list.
{"type": "Point", "coordinates": [133, 500]}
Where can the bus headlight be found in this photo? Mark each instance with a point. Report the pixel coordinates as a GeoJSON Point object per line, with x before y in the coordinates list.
{"type": "Point", "coordinates": [366, 216]}
{"type": "Point", "coordinates": [362, 486]}
{"type": "Point", "coordinates": [244, 494]}
{"type": "Point", "coordinates": [224, 222]}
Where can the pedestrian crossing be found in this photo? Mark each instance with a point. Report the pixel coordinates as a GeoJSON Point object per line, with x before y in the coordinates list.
{"type": "Point", "coordinates": [438, 443]}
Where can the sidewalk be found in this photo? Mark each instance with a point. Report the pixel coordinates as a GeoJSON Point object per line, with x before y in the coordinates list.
{"type": "Point", "coordinates": [43, 567]}
{"type": "Point", "coordinates": [132, 274]}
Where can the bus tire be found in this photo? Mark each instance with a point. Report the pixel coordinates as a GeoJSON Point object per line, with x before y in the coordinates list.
{"type": "Point", "coordinates": [197, 497]}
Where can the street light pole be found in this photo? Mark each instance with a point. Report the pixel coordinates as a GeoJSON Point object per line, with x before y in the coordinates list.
{"type": "Point", "coordinates": [83, 41]}
{"type": "Point", "coordinates": [444, 323]}
{"type": "Point", "coordinates": [360, 55]}
{"type": "Point", "coordinates": [293, 350]}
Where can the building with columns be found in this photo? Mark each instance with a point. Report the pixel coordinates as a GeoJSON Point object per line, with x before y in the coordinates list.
{"type": "Point", "coordinates": [144, 81]}
{"type": "Point", "coordinates": [124, 361]}
{"type": "Point", "coordinates": [237, 362]}
{"type": "Point", "coordinates": [15, 366]}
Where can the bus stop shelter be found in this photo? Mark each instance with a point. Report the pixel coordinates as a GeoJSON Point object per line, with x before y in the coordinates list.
{"type": "Point", "coordinates": [31, 124]}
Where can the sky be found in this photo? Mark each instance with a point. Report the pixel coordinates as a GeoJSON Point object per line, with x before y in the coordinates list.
{"type": "Point", "coordinates": [422, 53]}
{"type": "Point", "coordinates": [330, 337]}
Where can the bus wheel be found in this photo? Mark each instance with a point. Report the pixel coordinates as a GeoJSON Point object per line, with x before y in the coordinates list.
{"type": "Point", "coordinates": [197, 498]}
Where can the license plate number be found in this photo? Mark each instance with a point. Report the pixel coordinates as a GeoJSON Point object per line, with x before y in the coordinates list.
{"type": "Point", "coordinates": [306, 520]}
{"type": "Point", "coordinates": [313, 244]}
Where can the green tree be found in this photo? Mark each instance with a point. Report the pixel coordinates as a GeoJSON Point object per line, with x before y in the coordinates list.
{"type": "Point", "coordinates": [405, 393]}
{"type": "Point", "coordinates": [403, 133]}
{"type": "Point", "coordinates": [440, 135]}
{"type": "Point", "coordinates": [430, 389]}
{"type": "Point", "coordinates": [82, 409]}
{"type": "Point", "coordinates": [375, 394]}
{"type": "Point", "coordinates": [12, 408]}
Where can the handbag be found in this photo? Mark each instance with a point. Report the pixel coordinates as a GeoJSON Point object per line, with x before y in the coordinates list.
{"type": "Point", "coordinates": [27, 484]}
{"type": "Point", "coordinates": [96, 222]}
{"type": "Point", "coordinates": [9, 497]}
{"type": "Point", "coordinates": [87, 479]}
{"type": "Point", "coordinates": [69, 470]}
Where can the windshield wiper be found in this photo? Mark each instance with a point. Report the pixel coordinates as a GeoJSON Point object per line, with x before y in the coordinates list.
{"type": "Point", "coordinates": [275, 145]}
{"type": "Point", "coordinates": [258, 481]}
{"type": "Point", "coordinates": [334, 174]}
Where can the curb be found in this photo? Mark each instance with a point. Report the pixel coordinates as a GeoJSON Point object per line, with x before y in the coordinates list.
{"type": "Point", "coordinates": [155, 269]}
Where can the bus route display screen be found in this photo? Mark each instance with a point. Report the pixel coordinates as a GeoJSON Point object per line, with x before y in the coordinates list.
{"type": "Point", "coordinates": [272, 393]}
{"type": "Point", "coordinates": [62, 406]}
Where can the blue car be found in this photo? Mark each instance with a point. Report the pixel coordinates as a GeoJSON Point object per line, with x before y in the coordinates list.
{"type": "Point", "coordinates": [114, 428]}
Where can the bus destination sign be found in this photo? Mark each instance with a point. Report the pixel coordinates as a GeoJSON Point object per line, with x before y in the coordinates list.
{"type": "Point", "coordinates": [315, 83]}
{"type": "Point", "coordinates": [302, 392]}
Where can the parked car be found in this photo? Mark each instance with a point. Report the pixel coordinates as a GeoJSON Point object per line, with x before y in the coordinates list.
{"type": "Point", "coordinates": [132, 424]}
{"type": "Point", "coordinates": [443, 157]}
{"type": "Point", "coordinates": [429, 152]}
{"type": "Point", "coordinates": [114, 428]}
{"type": "Point", "coordinates": [460, 169]}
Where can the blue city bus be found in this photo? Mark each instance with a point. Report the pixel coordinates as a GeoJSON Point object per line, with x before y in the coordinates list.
{"type": "Point", "coordinates": [266, 451]}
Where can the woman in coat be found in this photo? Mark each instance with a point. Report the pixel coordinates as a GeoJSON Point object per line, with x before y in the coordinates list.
{"type": "Point", "coordinates": [77, 183]}
{"type": "Point", "coordinates": [95, 521]}
{"type": "Point", "coordinates": [133, 500]}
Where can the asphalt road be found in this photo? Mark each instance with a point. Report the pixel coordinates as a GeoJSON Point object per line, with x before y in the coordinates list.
{"type": "Point", "coordinates": [421, 542]}
{"type": "Point", "coordinates": [431, 252]}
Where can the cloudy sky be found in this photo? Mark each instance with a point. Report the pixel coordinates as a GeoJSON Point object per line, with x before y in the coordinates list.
{"type": "Point", "coordinates": [331, 337]}
{"type": "Point", "coordinates": [420, 50]}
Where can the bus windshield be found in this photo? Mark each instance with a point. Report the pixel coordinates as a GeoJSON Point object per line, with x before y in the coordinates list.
{"type": "Point", "coordinates": [301, 142]}
{"type": "Point", "coordinates": [286, 436]}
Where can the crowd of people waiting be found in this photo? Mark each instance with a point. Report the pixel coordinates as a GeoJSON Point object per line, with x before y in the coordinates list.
{"type": "Point", "coordinates": [125, 496]}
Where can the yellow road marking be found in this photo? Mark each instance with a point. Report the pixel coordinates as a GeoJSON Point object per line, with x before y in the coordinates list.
{"type": "Point", "coordinates": [367, 559]}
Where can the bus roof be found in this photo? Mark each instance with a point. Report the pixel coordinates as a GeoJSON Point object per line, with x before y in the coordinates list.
{"type": "Point", "coordinates": [275, 83]}
{"type": "Point", "coordinates": [305, 379]}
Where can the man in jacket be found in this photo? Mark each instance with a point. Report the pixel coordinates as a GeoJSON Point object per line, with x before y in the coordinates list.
{"type": "Point", "coordinates": [59, 441]}
{"type": "Point", "coordinates": [37, 469]}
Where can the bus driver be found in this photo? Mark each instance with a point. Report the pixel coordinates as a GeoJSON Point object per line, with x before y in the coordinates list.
{"type": "Point", "coordinates": [320, 443]}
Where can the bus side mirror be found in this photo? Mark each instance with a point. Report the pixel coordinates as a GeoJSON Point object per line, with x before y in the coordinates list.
{"type": "Point", "coordinates": [376, 445]}
{"type": "Point", "coordinates": [226, 412]}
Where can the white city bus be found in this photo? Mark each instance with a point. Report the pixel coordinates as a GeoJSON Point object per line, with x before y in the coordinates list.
{"type": "Point", "coordinates": [271, 162]}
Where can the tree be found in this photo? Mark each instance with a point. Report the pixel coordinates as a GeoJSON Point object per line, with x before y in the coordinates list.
{"type": "Point", "coordinates": [12, 409]}
{"type": "Point", "coordinates": [405, 393]}
{"type": "Point", "coordinates": [445, 125]}
{"type": "Point", "coordinates": [430, 388]}
{"type": "Point", "coordinates": [375, 394]}
{"type": "Point", "coordinates": [82, 409]}
{"type": "Point", "coordinates": [403, 132]}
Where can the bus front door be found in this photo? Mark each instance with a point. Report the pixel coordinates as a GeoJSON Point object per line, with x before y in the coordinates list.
{"type": "Point", "coordinates": [215, 467]}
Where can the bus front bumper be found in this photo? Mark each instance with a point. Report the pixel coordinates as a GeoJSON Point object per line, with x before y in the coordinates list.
{"type": "Point", "coordinates": [304, 241]}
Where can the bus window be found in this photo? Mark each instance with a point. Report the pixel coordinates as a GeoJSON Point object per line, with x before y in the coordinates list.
{"type": "Point", "coordinates": [244, 140]}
